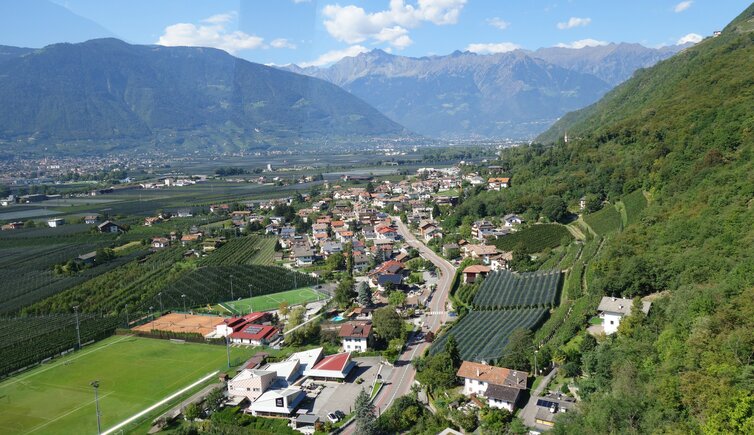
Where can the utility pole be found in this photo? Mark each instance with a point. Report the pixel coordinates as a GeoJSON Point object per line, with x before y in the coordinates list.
{"type": "Point", "coordinates": [95, 384]}
{"type": "Point", "coordinates": [227, 349]}
{"type": "Point", "coordinates": [78, 330]}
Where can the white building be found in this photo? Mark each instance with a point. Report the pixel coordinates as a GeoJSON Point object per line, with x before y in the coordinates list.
{"type": "Point", "coordinates": [500, 386]}
{"type": "Point", "coordinates": [612, 310]}
{"type": "Point", "coordinates": [251, 383]}
{"type": "Point", "coordinates": [356, 336]}
{"type": "Point", "coordinates": [52, 223]}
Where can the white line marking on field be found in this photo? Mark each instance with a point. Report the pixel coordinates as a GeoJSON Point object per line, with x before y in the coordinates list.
{"type": "Point", "coordinates": [89, 403]}
{"type": "Point", "coordinates": [158, 404]}
{"type": "Point", "coordinates": [75, 356]}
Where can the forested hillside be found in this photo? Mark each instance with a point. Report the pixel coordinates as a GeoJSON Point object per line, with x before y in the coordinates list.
{"type": "Point", "coordinates": [682, 131]}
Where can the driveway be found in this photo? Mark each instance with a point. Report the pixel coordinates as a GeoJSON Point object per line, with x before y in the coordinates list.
{"type": "Point", "coordinates": [530, 410]}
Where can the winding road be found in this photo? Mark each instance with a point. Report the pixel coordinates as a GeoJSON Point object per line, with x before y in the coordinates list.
{"type": "Point", "coordinates": [403, 374]}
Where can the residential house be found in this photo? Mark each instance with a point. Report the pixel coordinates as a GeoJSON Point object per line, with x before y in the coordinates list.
{"type": "Point", "coordinates": [13, 226]}
{"type": "Point", "coordinates": [482, 252]}
{"type": "Point", "coordinates": [91, 219]}
{"type": "Point", "coordinates": [498, 183]}
{"type": "Point", "coordinates": [109, 227]}
{"type": "Point", "coordinates": [356, 336]}
{"type": "Point", "coordinates": [472, 273]}
{"type": "Point", "coordinates": [277, 403]}
{"type": "Point", "coordinates": [387, 233]}
{"type": "Point", "coordinates": [160, 242]}
{"type": "Point", "coordinates": [57, 222]}
{"type": "Point", "coordinates": [328, 248]}
{"type": "Point", "coordinates": [552, 405]}
{"type": "Point", "coordinates": [149, 221]}
{"type": "Point", "coordinates": [511, 220]}
{"type": "Point", "coordinates": [501, 261]}
{"type": "Point", "coordinates": [482, 229]}
{"type": "Point", "coordinates": [612, 310]}
{"type": "Point", "coordinates": [389, 280]}
{"type": "Point", "coordinates": [303, 255]}
{"type": "Point", "coordinates": [507, 385]}
{"type": "Point", "coordinates": [448, 248]}
{"type": "Point", "coordinates": [190, 238]}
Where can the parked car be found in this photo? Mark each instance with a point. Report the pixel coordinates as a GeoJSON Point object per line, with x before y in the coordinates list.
{"type": "Point", "coordinates": [333, 417]}
{"type": "Point", "coordinates": [340, 414]}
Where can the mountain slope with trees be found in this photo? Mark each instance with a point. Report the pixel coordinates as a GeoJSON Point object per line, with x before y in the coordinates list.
{"type": "Point", "coordinates": [121, 95]}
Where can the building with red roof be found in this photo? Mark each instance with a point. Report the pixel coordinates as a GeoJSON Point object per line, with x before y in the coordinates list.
{"type": "Point", "coordinates": [235, 324]}
{"type": "Point", "coordinates": [332, 368]}
{"type": "Point", "coordinates": [255, 335]}
{"type": "Point", "coordinates": [356, 336]}
{"type": "Point", "coordinates": [472, 273]}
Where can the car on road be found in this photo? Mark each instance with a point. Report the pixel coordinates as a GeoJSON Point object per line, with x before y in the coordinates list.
{"type": "Point", "coordinates": [333, 417]}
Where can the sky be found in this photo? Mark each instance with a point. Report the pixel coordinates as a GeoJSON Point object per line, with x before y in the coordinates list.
{"type": "Point", "coordinates": [312, 32]}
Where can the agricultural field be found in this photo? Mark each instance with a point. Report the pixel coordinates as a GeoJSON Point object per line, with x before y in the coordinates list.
{"type": "Point", "coordinates": [482, 335]}
{"type": "Point", "coordinates": [605, 221]}
{"type": "Point", "coordinates": [243, 250]}
{"type": "Point", "coordinates": [535, 238]}
{"type": "Point", "coordinates": [213, 284]}
{"type": "Point", "coordinates": [505, 289]}
{"type": "Point", "coordinates": [271, 302]}
{"type": "Point", "coordinates": [634, 203]}
{"type": "Point", "coordinates": [25, 341]}
{"type": "Point", "coordinates": [133, 374]}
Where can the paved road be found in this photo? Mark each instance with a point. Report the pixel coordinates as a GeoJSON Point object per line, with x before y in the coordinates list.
{"type": "Point", "coordinates": [530, 410]}
{"type": "Point", "coordinates": [403, 374]}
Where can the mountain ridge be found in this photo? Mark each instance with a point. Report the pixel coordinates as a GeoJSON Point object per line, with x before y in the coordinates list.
{"type": "Point", "coordinates": [109, 91]}
{"type": "Point", "coordinates": [515, 94]}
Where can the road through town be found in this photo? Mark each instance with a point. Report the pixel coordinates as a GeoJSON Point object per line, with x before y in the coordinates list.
{"type": "Point", "coordinates": [403, 374]}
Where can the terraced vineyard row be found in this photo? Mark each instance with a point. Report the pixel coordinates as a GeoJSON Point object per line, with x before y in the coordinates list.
{"type": "Point", "coordinates": [482, 335]}
{"type": "Point", "coordinates": [535, 238]}
{"type": "Point", "coordinates": [635, 203]}
{"type": "Point", "coordinates": [605, 221]}
{"type": "Point", "coordinates": [243, 250]}
{"type": "Point", "coordinates": [505, 289]}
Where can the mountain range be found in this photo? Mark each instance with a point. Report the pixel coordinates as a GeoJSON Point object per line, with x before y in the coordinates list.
{"type": "Point", "coordinates": [111, 94]}
{"type": "Point", "coordinates": [516, 94]}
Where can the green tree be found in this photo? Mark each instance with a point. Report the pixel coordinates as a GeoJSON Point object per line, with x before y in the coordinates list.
{"type": "Point", "coordinates": [191, 412]}
{"type": "Point", "coordinates": [387, 323]}
{"type": "Point", "coordinates": [335, 262]}
{"type": "Point", "coordinates": [366, 422]}
{"type": "Point", "coordinates": [365, 295]}
{"type": "Point", "coordinates": [494, 421]}
{"type": "Point", "coordinates": [451, 348]}
{"type": "Point", "coordinates": [554, 208]}
{"type": "Point", "coordinates": [516, 353]}
{"type": "Point", "coordinates": [344, 292]}
{"type": "Point", "coordinates": [397, 298]}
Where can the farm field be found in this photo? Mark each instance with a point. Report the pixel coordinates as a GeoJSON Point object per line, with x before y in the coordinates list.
{"type": "Point", "coordinates": [535, 238]}
{"type": "Point", "coordinates": [243, 250]}
{"type": "Point", "coordinates": [134, 373]}
{"type": "Point", "coordinates": [605, 221]}
{"type": "Point", "coordinates": [634, 203]}
{"type": "Point", "coordinates": [271, 302]}
{"type": "Point", "coordinates": [482, 335]}
{"type": "Point", "coordinates": [504, 289]}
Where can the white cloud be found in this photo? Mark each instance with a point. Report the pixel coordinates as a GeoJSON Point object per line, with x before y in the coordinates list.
{"type": "Point", "coordinates": [492, 48]}
{"type": "Point", "coordinates": [682, 6]}
{"type": "Point", "coordinates": [301, 1]}
{"type": "Point", "coordinates": [691, 37]}
{"type": "Point", "coordinates": [335, 55]}
{"type": "Point", "coordinates": [498, 23]}
{"type": "Point", "coordinates": [583, 43]}
{"type": "Point", "coordinates": [282, 43]}
{"type": "Point", "coordinates": [352, 24]}
{"type": "Point", "coordinates": [213, 32]}
{"type": "Point", "coordinates": [574, 22]}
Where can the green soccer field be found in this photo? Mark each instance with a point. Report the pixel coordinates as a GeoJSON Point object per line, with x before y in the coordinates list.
{"type": "Point", "coordinates": [271, 302]}
{"type": "Point", "coordinates": [134, 373]}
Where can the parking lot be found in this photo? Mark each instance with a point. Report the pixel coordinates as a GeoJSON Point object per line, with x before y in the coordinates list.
{"type": "Point", "coordinates": [342, 396]}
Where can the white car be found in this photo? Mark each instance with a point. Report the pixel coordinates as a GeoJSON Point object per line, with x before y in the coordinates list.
{"type": "Point", "coordinates": [332, 417]}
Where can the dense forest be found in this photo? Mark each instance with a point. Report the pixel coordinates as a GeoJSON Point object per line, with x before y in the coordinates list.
{"type": "Point", "coordinates": [683, 132]}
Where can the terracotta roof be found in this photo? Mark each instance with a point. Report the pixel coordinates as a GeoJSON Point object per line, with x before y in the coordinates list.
{"type": "Point", "coordinates": [337, 362]}
{"type": "Point", "coordinates": [477, 268]}
{"type": "Point", "coordinates": [255, 332]}
{"type": "Point", "coordinates": [355, 330]}
{"type": "Point", "coordinates": [493, 375]}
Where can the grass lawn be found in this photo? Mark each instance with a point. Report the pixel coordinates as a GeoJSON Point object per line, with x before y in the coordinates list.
{"type": "Point", "coordinates": [271, 302]}
{"type": "Point", "coordinates": [134, 373]}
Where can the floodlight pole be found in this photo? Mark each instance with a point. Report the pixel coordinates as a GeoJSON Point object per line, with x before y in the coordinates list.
{"type": "Point", "coordinates": [151, 316]}
{"type": "Point", "coordinates": [183, 298]}
{"type": "Point", "coordinates": [231, 288]}
{"type": "Point", "coordinates": [535, 362]}
{"type": "Point", "coordinates": [127, 322]}
{"type": "Point", "coordinates": [78, 330]}
{"type": "Point", "coordinates": [162, 309]}
{"type": "Point", "coordinates": [250, 304]}
{"type": "Point", "coordinates": [227, 349]}
{"type": "Point", "coordinates": [95, 384]}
